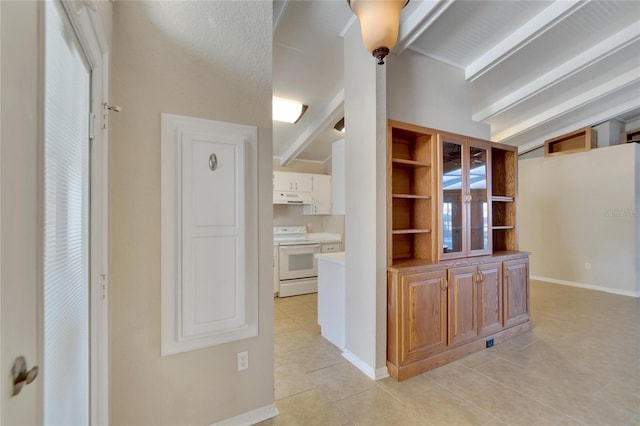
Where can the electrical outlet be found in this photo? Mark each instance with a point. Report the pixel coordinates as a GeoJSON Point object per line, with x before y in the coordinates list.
{"type": "Point", "coordinates": [243, 360]}
{"type": "Point", "coordinates": [489, 343]}
{"type": "Point", "coordinates": [587, 266]}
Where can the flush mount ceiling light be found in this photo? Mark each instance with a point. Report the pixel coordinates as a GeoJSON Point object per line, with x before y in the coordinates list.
{"type": "Point", "coordinates": [287, 111]}
{"type": "Point", "coordinates": [379, 20]}
{"type": "Point", "coordinates": [340, 125]}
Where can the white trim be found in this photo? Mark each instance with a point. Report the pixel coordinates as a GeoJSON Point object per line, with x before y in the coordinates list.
{"type": "Point", "coordinates": [173, 336]}
{"type": "Point", "coordinates": [369, 371]}
{"type": "Point", "coordinates": [414, 25]}
{"type": "Point", "coordinates": [382, 373]}
{"type": "Point", "coordinates": [1, 398]}
{"type": "Point", "coordinates": [348, 25]}
{"type": "Point", "coordinates": [524, 35]}
{"type": "Point", "coordinates": [560, 73]}
{"type": "Point", "coordinates": [87, 25]}
{"type": "Point", "coordinates": [324, 118]}
{"type": "Point", "coordinates": [278, 17]}
{"type": "Point", "coordinates": [252, 417]}
{"type": "Point", "coordinates": [592, 95]}
{"type": "Point", "coordinates": [587, 286]}
{"type": "Point", "coordinates": [599, 117]}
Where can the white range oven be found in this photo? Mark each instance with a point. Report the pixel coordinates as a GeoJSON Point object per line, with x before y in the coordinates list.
{"type": "Point", "coordinates": [297, 265]}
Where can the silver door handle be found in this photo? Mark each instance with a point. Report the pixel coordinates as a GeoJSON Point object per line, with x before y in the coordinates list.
{"type": "Point", "coordinates": [213, 162]}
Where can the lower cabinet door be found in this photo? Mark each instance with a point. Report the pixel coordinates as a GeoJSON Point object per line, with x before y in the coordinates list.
{"type": "Point", "coordinates": [490, 312]}
{"type": "Point", "coordinates": [423, 315]}
{"type": "Point", "coordinates": [463, 302]}
{"type": "Point", "coordinates": [516, 290]}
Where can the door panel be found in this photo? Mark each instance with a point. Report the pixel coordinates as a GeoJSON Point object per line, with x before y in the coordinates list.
{"type": "Point", "coordinates": [479, 195]}
{"type": "Point", "coordinates": [66, 224]}
{"type": "Point", "coordinates": [490, 318]}
{"type": "Point", "coordinates": [424, 328]}
{"type": "Point", "coordinates": [463, 325]}
{"type": "Point", "coordinates": [516, 285]}
{"type": "Point", "coordinates": [452, 205]}
{"type": "Point", "coordinates": [19, 204]}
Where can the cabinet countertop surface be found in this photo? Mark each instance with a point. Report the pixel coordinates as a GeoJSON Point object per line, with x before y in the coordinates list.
{"type": "Point", "coordinates": [409, 264]}
{"type": "Point", "coordinates": [336, 257]}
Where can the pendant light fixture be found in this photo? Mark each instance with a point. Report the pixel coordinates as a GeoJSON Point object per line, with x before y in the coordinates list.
{"type": "Point", "coordinates": [379, 21]}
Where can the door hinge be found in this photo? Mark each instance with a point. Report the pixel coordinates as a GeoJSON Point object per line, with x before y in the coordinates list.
{"type": "Point", "coordinates": [105, 114]}
{"type": "Point", "coordinates": [103, 286]}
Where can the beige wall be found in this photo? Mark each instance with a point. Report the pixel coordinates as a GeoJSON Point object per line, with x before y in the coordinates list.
{"type": "Point", "coordinates": [582, 208]}
{"type": "Point", "coordinates": [209, 60]}
{"type": "Point", "coordinates": [430, 93]}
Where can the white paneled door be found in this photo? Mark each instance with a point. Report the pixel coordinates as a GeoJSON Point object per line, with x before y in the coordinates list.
{"type": "Point", "coordinates": [52, 205]}
{"type": "Point", "coordinates": [65, 242]}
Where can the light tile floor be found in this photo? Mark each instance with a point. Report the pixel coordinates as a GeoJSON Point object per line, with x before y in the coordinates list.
{"type": "Point", "coordinates": [580, 365]}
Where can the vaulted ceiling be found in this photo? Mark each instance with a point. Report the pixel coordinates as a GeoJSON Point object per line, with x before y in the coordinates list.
{"type": "Point", "coordinates": [538, 69]}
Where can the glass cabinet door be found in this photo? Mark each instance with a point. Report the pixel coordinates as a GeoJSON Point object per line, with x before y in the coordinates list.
{"type": "Point", "coordinates": [452, 199]}
{"type": "Point", "coordinates": [478, 200]}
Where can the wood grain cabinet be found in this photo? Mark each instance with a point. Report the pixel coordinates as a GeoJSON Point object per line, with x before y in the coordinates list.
{"type": "Point", "coordinates": [463, 304]}
{"type": "Point", "coordinates": [516, 288]}
{"type": "Point", "coordinates": [422, 329]}
{"type": "Point", "coordinates": [490, 299]}
{"type": "Point", "coordinates": [464, 215]}
{"type": "Point", "coordinates": [456, 279]}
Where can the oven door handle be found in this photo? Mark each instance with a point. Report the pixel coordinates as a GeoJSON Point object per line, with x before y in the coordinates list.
{"type": "Point", "coordinates": [300, 249]}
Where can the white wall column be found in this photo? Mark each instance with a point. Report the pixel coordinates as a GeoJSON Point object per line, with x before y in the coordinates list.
{"type": "Point", "coordinates": [365, 213]}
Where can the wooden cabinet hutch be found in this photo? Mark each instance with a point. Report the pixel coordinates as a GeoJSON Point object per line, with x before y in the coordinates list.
{"type": "Point", "coordinates": [456, 279]}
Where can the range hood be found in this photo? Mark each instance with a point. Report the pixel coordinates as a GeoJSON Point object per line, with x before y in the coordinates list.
{"type": "Point", "coordinates": [283, 197]}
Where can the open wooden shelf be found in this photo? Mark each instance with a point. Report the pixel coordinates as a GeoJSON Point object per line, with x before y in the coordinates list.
{"type": "Point", "coordinates": [412, 196]}
{"type": "Point", "coordinates": [501, 199]}
{"type": "Point", "coordinates": [411, 231]}
{"type": "Point", "coordinates": [409, 163]}
{"type": "Point", "coordinates": [578, 141]}
{"type": "Point", "coordinates": [410, 183]}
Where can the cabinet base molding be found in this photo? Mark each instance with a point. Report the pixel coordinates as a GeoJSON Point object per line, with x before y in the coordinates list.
{"type": "Point", "coordinates": [404, 372]}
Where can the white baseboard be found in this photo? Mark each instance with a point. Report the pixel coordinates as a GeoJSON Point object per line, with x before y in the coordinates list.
{"type": "Point", "coordinates": [252, 417]}
{"type": "Point", "coordinates": [587, 286]}
{"type": "Point", "coordinates": [377, 374]}
{"type": "Point", "coordinates": [382, 373]}
{"type": "Point", "coordinates": [360, 364]}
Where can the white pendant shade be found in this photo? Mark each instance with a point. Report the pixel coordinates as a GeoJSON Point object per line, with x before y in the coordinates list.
{"type": "Point", "coordinates": [379, 21]}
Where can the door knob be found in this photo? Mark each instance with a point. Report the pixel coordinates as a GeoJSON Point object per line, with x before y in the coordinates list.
{"type": "Point", "coordinates": [20, 374]}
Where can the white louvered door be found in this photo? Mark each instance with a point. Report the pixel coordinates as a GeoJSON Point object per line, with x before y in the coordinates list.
{"type": "Point", "coordinates": [65, 225]}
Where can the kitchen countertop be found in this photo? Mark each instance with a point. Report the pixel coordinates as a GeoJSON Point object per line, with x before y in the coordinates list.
{"type": "Point", "coordinates": [314, 238]}
{"type": "Point", "coordinates": [336, 257]}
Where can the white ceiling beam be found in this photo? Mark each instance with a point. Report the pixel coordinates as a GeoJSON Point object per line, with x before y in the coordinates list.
{"type": "Point", "coordinates": [599, 117]}
{"type": "Point", "coordinates": [569, 105]}
{"type": "Point", "coordinates": [279, 13]}
{"type": "Point", "coordinates": [415, 24]}
{"type": "Point", "coordinates": [528, 32]}
{"type": "Point", "coordinates": [574, 65]}
{"type": "Point", "coordinates": [325, 118]}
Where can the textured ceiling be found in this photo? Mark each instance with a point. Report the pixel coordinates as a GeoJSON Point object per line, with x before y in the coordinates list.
{"type": "Point", "coordinates": [536, 68]}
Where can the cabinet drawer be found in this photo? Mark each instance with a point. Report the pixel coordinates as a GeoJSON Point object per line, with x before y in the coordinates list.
{"type": "Point", "coordinates": [331, 247]}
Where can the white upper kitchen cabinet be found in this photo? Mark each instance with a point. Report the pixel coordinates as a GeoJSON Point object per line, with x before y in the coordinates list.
{"type": "Point", "coordinates": [296, 182]}
{"type": "Point", "coordinates": [321, 195]}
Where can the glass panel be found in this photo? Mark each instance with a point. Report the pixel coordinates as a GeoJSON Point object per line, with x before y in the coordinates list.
{"type": "Point", "coordinates": [452, 207]}
{"type": "Point", "coordinates": [300, 262]}
{"type": "Point", "coordinates": [478, 212]}
{"type": "Point", "coordinates": [66, 226]}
